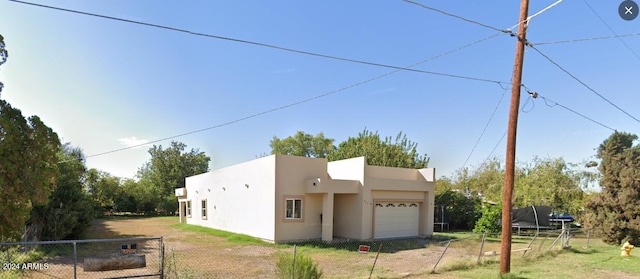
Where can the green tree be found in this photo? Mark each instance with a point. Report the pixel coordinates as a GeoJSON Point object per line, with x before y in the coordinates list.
{"type": "Point", "coordinates": [104, 189]}
{"type": "Point", "coordinates": [4, 54]}
{"type": "Point", "coordinates": [401, 152]}
{"type": "Point", "coordinates": [615, 211]}
{"type": "Point", "coordinates": [69, 211]}
{"type": "Point", "coordinates": [303, 144]}
{"type": "Point", "coordinates": [460, 211]}
{"type": "Point", "coordinates": [27, 167]}
{"type": "Point", "coordinates": [126, 201]}
{"type": "Point", "coordinates": [166, 171]}
{"type": "Point", "coordinates": [549, 182]}
{"type": "Point", "coordinates": [489, 221]}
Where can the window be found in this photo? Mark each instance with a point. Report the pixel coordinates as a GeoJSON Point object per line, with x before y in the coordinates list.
{"type": "Point", "coordinates": [293, 209]}
{"type": "Point", "coordinates": [204, 209]}
{"type": "Point", "coordinates": [189, 209]}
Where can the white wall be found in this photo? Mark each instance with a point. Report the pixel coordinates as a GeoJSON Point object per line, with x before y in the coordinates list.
{"type": "Point", "coordinates": [232, 206]}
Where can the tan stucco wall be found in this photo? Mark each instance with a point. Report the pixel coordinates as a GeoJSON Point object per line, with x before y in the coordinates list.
{"type": "Point", "coordinates": [291, 174]}
{"type": "Point", "coordinates": [347, 220]}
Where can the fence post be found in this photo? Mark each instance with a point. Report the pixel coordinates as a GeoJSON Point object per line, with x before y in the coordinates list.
{"type": "Point", "coordinates": [554, 242]}
{"type": "Point", "coordinates": [481, 247]}
{"type": "Point", "coordinates": [293, 268]}
{"type": "Point", "coordinates": [441, 256]}
{"type": "Point", "coordinates": [375, 261]}
{"type": "Point", "coordinates": [161, 259]}
{"type": "Point", "coordinates": [530, 243]}
{"type": "Point", "coordinates": [75, 261]}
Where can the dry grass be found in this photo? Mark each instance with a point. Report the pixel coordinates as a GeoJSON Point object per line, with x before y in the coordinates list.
{"type": "Point", "coordinates": [193, 252]}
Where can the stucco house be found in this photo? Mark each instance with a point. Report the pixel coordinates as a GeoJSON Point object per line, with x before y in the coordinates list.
{"type": "Point", "coordinates": [288, 198]}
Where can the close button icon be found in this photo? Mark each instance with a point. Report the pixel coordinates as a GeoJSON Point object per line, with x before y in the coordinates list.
{"type": "Point", "coordinates": [628, 10]}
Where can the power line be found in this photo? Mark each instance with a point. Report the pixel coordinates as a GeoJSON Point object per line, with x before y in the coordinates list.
{"type": "Point", "coordinates": [257, 43]}
{"type": "Point", "coordinates": [494, 149]}
{"type": "Point", "coordinates": [458, 17]}
{"type": "Point", "coordinates": [611, 29]}
{"type": "Point", "coordinates": [485, 128]}
{"type": "Point", "coordinates": [583, 84]}
{"type": "Point", "coordinates": [550, 103]}
{"type": "Point", "coordinates": [302, 101]}
{"type": "Point", "coordinates": [586, 39]}
{"type": "Point", "coordinates": [507, 31]}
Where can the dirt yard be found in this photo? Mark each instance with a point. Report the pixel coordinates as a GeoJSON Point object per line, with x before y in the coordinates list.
{"type": "Point", "coordinates": [200, 255]}
{"type": "Point", "coordinates": [197, 255]}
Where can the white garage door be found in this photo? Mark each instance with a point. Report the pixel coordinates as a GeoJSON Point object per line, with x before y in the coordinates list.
{"type": "Point", "coordinates": [396, 219]}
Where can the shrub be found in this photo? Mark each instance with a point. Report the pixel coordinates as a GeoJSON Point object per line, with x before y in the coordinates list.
{"type": "Point", "coordinates": [490, 220]}
{"type": "Point", "coordinates": [305, 268]}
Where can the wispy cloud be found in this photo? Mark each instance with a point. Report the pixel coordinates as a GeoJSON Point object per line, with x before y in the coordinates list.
{"type": "Point", "coordinates": [132, 141]}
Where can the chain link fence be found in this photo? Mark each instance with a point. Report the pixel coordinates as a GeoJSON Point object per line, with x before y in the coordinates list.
{"type": "Point", "coordinates": [201, 258]}
{"type": "Point", "coordinates": [95, 258]}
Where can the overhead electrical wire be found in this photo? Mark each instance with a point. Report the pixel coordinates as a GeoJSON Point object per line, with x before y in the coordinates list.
{"type": "Point", "coordinates": [256, 43]}
{"type": "Point", "coordinates": [611, 29]}
{"type": "Point", "coordinates": [301, 101]}
{"type": "Point", "coordinates": [582, 83]}
{"type": "Point", "coordinates": [550, 103]}
{"type": "Point", "coordinates": [585, 39]}
{"type": "Point", "coordinates": [485, 127]}
{"type": "Point", "coordinates": [508, 30]}
{"type": "Point", "coordinates": [501, 139]}
{"type": "Point", "coordinates": [458, 17]}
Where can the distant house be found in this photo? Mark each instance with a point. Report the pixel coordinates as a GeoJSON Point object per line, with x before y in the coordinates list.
{"type": "Point", "coordinates": [287, 198]}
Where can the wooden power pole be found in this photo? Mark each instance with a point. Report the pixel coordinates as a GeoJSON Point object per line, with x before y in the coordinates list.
{"type": "Point", "coordinates": [509, 177]}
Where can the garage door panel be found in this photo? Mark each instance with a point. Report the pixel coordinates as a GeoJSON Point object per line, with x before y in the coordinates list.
{"type": "Point", "coordinates": [396, 219]}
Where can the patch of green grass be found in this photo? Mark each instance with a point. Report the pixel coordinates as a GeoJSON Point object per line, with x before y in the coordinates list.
{"type": "Point", "coordinates": [599, 260]}
{"type": "Point", "coordinates": [231, 237]}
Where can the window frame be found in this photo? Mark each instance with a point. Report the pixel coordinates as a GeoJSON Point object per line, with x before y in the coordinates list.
{"type": "Point", "coordinates": [203, 209]}
{"type": "Point", "coordinates": [295, 209]}
{"type": "Point", "coordinates": [188, 208]}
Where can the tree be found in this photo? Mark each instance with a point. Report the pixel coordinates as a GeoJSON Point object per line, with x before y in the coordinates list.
{"type": "Point", "coordinates": [401, 153]}
{"type": "Point", "coordinates": [27, 167]}
{"type": "Point", "coordinates": [489, 221]}
{"type": "Point", "coordinates": [4, 54]}
{"type": "Point", "coordinates": [69, 210]}
{"type": "Point", "coordinates": [549, 182]}
{"type": "Point", "coordinates": [303, 144]}
{"type": "Point", "coordinates": [166, 171]}
{"type": "Point", "coordinates": [126, 201]}
{"type": "Point", "coordinates": [104, 189]}
{"type": "Point", "coordinates": [460, 211]}
{"type": "Point", "coordinates": [615, 211]}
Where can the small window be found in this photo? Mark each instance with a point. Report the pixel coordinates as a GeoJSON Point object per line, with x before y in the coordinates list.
{"type": "Point", "coordinates": [204, 209]}
{"type": "Point", "coordinates": [391, 205]}
{"type": "Point", "coordinates": [402, 205]}
{"type": "Point", "coordinates": [293, 209]}
{"type": "Point", "coordinates": [189, 209]}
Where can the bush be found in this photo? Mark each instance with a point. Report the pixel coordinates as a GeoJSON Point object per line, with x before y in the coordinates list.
{"type": "Point", "coordinates": [490, 220]}
{"type": "Point", "coordinates": [460, 211]}
{"type": "Point", "coordinates": [305, 268]}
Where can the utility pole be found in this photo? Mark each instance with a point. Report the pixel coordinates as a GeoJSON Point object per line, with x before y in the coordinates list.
{"type": "Point", "coordinates": [509, 177]}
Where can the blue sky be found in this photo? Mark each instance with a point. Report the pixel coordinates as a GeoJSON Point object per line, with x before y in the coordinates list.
{"type": "Point", "coordinates": [103, 85]}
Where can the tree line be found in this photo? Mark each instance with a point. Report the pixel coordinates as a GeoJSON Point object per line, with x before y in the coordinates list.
{"type": "Point", "coordinates": [48, 193]}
